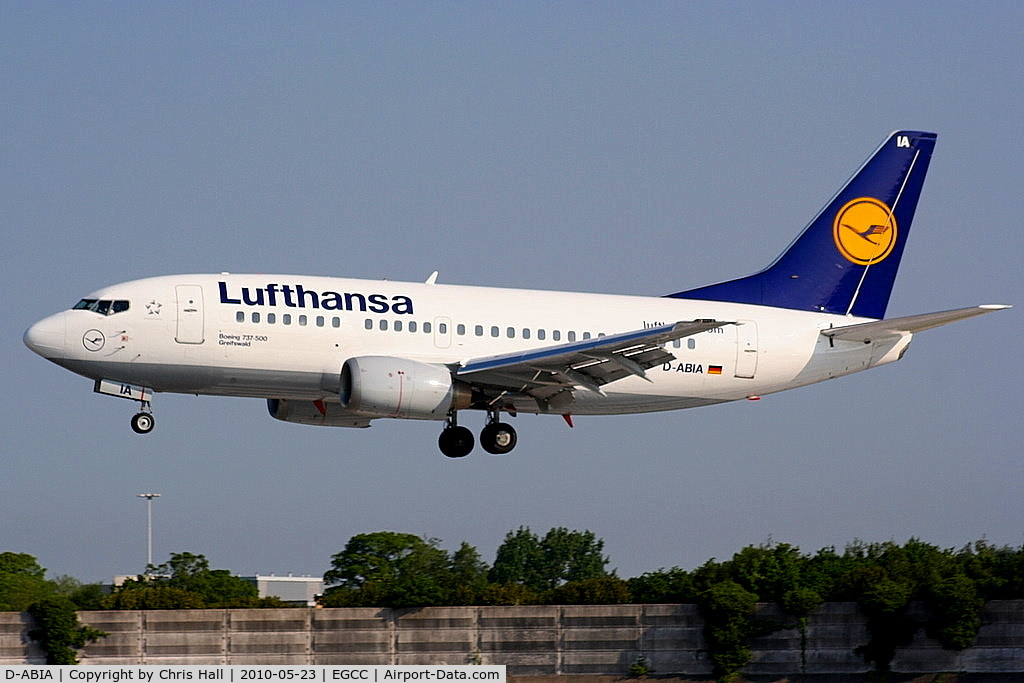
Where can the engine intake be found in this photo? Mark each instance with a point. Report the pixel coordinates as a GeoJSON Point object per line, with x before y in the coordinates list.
{"type": "Point", "coordinates": [384, 386]}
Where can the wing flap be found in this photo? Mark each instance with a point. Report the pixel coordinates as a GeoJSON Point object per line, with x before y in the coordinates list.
{"type": "Point", "coordinates": [893, 327]}
{"type": "Point", "coordinates": [590, 364]}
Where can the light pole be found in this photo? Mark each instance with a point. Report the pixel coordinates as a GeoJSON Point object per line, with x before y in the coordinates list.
{"type": "Point", "coordinates": [149, 526]}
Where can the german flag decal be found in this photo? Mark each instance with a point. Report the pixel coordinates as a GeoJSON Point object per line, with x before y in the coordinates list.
{"type": "Point", "coordinates": [714, 369]}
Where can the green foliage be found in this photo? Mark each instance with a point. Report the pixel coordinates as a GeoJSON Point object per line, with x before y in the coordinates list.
{"type": "Point", "coordinates": [22, 564]}
{"type": "Point", "coordinates": [468, 576]}
{"type": "Point", "coordinates": [143, 594]}
{"type": "Point", "coordinates": [729, 627]}
{"type": "Point", "coordinates": [508, 594]}
{"type": "Point", "coordinates": [22, 582]}
{"type": "Point", "coordinates": [604, 590]}
{"type": "Point", "coordinates": [520, 560]}
{"type": "Point", "coordinates": [663, 585]}
{"type": "Point", "coordinates": [59, 632]}
{"type": "Point", "coordinates": [640, 667]}
{"type": "Point", "coordinates": [954, 604]}
{"type": "Point", "coordinates": [800, 601]}
{"type": "Point", "coordinates": [547, 563]}
{"type": "Point", "coordinates": [388, 569]}
{"type": "Point", "coordinates": [185, 581]}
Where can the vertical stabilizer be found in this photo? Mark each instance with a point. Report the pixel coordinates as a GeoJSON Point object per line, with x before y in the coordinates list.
{"type": "Point", "coordinates": [846, 259]}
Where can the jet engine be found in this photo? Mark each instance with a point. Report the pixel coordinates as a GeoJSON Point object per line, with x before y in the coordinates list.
{"type": "Point", "coordinates": [383, 386]}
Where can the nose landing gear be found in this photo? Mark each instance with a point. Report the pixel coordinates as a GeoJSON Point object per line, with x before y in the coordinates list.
{"type": "Point", "coordinates": [143, 422]}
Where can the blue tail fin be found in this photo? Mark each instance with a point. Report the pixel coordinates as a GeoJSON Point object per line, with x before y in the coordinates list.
{"type": "Point", "coordinates": [845, 260]}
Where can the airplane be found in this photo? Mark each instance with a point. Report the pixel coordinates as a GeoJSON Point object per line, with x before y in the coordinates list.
{"type": "Point", "coordinates": [344, 352]}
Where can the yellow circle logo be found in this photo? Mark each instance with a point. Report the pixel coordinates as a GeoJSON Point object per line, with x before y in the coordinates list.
{"type": "Point", "coordinates": [865, 231]}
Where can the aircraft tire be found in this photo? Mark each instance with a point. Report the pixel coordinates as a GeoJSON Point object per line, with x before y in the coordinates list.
{"type": "Point", "coordinates": [143, 423]}
{"type": "Point", "coordinates": [456, 442]}
{"type": "Point", "coordinates": [498, 438]}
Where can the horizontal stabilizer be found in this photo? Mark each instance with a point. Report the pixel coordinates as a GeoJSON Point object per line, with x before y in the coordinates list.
{"type": "Point", "coordinates": [866, 332]}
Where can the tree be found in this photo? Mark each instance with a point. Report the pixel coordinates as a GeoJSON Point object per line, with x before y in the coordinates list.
{"type": "Point", "coordinates": [185, 581]}
{"type": "Point", "coordinates": [389, 569]}
{"type": "Point", "coordinates": [728, 611]}
{"type": "Point", "coordinates": [22, 582]}
{"type": "Point", "coordinates": [663, 585]}
{"type": "Point", "coordinates": [468, 578]}
{"type": "Point", "coordinates": [544, 564]}
{"type": "Point", "coordinates": [955, 607]}
{"type": "Point", "coordinates": [520, 560]}
{"type": "Point", "coordinates": [771, 570]}
{"type": "Point", "coordinates": [59, 632]}
{"type": "Point", "coordinates": [20, 563]}
{"type": "Point", "coordinates": [603, 590]}
{"type": "Point", "coordinates": [572, 556]}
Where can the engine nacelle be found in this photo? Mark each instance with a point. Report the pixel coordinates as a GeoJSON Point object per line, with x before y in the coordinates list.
{"type": "Point", "coordinates": [383, 386]}
{"type": "Point", "coordinates": [312, 413]}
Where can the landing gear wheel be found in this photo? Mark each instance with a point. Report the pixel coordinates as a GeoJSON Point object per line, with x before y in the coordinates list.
{"type": "Point", "coordinates": [455, 442]}
{"type": "Point", "coordinates": [498, 438]}
{"type": "Point", "coordinates": [143, 423]}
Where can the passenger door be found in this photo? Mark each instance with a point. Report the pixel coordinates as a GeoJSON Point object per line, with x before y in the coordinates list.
{"type": "Point", "coordinates": [190, 314]}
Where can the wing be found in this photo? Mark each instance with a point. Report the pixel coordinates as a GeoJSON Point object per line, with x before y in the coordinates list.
{"type": "Point", "coordinates": [866, 332]}
{"type": "Point", "coordinates": [557, 371]}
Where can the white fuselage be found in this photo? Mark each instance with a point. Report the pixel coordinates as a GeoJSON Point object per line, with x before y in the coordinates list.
{"type": "Point", "coordinates": [284, 336]}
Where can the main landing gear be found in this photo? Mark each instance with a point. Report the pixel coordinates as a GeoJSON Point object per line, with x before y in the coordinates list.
{"type": "Point", "coordinates": [496, 437]}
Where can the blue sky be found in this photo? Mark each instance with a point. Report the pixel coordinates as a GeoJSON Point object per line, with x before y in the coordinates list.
{"type": "Point", "coordinates": [608, 147]}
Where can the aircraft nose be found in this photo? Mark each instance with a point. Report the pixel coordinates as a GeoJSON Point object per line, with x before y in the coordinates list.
{"type": "Point", "coordinates": [46, 337]}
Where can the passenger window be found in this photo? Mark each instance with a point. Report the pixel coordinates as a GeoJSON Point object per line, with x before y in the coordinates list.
{"type": "Point", "coordinates": [335, 321]}
{"type": "Point", "coordinates": [556, 335]}
{"type": "Point", "coordinates": [368, 324]}
{"type": "Point", "coordinates": [460, 329]}
{"type": "Point", "coordinates": [398, 326]}
{"type": "Point", "coordinates": [586, 335]}
{"type": "Point", "coordinates": [286, 318]}
{"type": "Point", "coordinates": [319, 321]}
{"type": "Point", "coordinates": [677, 343]}
{"type": "Point", "coordinates": [426, 328]}
{"type": "Point", "coordinates": [540, 333]}
{"type": "Point", "coordinates": [494, 331]}
{"type": "Point", "coordinates": [412, 325]}
{"type": "Point", "coordinates": [526, 333]}
{"type": "Point", "coordinates": [302, 321]}
{"type": "Point", "coordinates": [383, 325]}
{"type": "Point", "coordinates": [478, 330]}
{"type": "Point", "coordinates": [442, 328]}
{"type": "Point", "coordinates": [240, 317]}
{"type": "Point", "coordinates": [510, 332]}
{"type": "Point", "coordinates": [255, 317]}
{"type": "Point", "coordinates": [271, 318]}
{"type": "Point", "coordinates": [691, 343]}
{"type": "Point", "coordinates": [571, 336]}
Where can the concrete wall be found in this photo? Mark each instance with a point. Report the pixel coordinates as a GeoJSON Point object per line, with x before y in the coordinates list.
{"type": "Point", "coordinates": [538, 640]}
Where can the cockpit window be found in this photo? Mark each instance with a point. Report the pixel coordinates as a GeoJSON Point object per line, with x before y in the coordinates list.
{"type": "Point", "coordinates": [102, 306]}
{"type": "Point", "coordinates": [84, 305]}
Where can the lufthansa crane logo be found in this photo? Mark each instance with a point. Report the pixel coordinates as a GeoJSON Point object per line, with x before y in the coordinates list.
{"type": "Point", "coordinates": [93, 340]}
{"type": "Point", "coordinates": [865, 231]}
